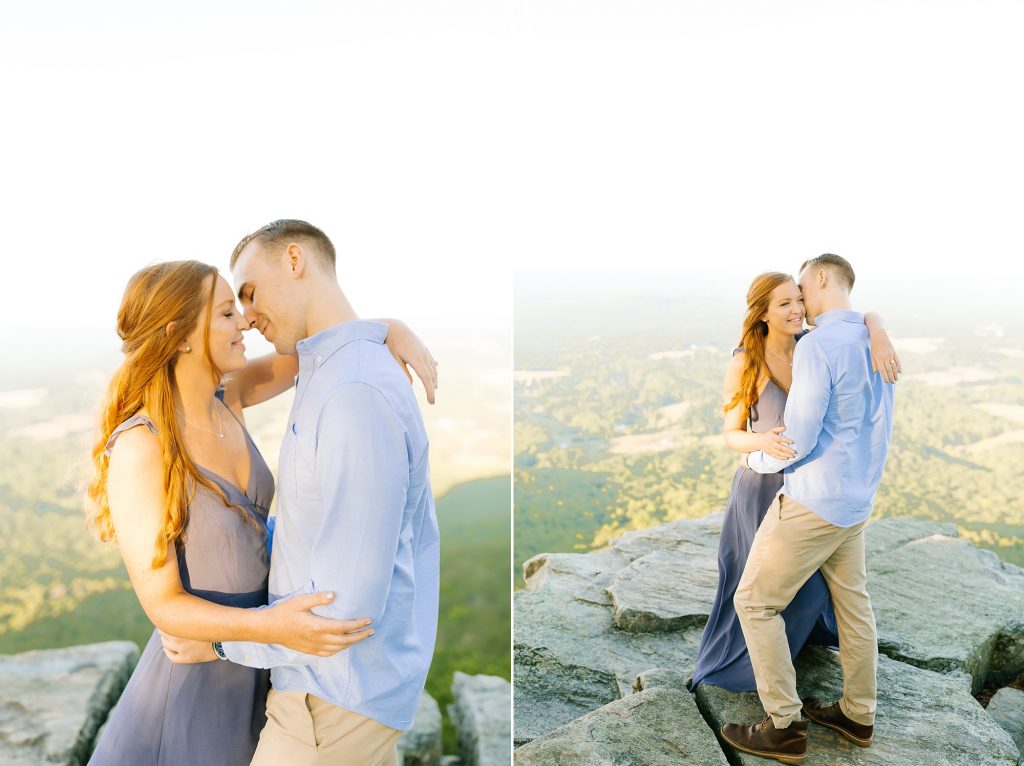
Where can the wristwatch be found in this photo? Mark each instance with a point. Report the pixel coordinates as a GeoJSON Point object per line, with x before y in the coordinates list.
{"type": "Point", "coordinates": [219, 650]}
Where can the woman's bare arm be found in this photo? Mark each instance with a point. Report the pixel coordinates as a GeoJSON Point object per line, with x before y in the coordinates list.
{"type": "Point", "coordinates": [410, 351]}
{"type": "Point", "coordinates": [737, 437]}
{"type": "Point", "coordinates": [267, 376]}
{"type": "Point", "coordinates": [883, 354]}
{"type": "Point", "coordinates": [261, 379]}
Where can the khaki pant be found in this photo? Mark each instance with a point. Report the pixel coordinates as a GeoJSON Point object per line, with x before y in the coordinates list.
{"type": "Point", "coordinates": [790, 545]}
{"type": "Point", "coordinates": [304, 730]}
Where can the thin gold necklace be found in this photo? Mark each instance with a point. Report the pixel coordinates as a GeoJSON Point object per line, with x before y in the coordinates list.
{"type": "Point", "coordinates": [784, 359]}
{"type": "Point", "coordinates": [781, 358]}
{"type": "Point", "coordinates": [220, 424]}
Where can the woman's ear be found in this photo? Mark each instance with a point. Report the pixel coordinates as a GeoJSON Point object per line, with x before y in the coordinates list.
{"type": "Point", "coordinates": [183, 347]}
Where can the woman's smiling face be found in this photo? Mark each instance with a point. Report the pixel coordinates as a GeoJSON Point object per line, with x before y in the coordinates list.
{"type": "Point", "coordinates": [227, 350]}
{"type": "Point", "coordinates": [785, 312]}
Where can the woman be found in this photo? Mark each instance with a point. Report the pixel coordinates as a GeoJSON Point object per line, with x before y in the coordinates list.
{"type": "Point", "coordinates": [756, 385]}
{"type": "Point", "coordinates": [186, 498]}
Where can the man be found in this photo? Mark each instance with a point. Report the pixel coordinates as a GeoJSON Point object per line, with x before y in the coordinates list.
{"type": "Point", "coordinates": [839, 417]}
{"type": "Point", "coordinates": [355, 512]}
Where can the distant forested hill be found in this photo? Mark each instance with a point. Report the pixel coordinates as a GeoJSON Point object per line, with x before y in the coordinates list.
{"type": "Point", "coordinates": [618, 426]}
{"type": "Point", "coordinates": [475, 621]}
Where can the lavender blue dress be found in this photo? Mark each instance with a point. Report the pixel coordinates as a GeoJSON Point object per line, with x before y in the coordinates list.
{"type": "Point", "coordinates": [722, 659]}
{"type": "Point", "coordinates": [212, 712]}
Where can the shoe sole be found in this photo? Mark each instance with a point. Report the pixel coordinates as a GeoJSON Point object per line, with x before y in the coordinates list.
{"type": "Point", "coordinates": [837, 728]}
{"type": "Point", "coordinates": [776, 756]}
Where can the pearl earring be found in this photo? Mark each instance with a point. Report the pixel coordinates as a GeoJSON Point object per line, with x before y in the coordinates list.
{"type": "Point", "coordinates": [188, 349]}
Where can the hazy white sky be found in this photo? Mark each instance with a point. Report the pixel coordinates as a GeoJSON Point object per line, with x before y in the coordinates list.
{"type": "Point", "coordinates": [134, 135]}
{"type": "Point", "coordinates": [710, 137]}
{"type": "Point", "coordinates": [446, 145]}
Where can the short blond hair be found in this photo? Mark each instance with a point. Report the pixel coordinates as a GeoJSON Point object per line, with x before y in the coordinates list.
{"type": "Point", "coordinates": [834, 263]}
{"type": "Point", "coordinates": [286, 230]}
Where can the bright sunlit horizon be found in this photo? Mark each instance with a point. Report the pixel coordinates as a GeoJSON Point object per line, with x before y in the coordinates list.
{"type": "Point", "coordinates": [446, 149]}
{"type": "Point", "coordinates": [159, 134]}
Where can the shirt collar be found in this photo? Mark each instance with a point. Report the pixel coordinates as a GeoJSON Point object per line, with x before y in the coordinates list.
{"type": "Point", "coordinates": [839, 315]}
{"type": "Point", "coordinates": [326, 342]}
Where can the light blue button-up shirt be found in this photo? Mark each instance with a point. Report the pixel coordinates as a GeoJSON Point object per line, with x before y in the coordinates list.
{"type": "Point", "coordinates": [839, 416]}
{"type": "Point", "coordinates": [356, 516]}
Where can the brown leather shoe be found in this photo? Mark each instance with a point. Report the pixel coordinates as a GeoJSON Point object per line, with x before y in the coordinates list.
{"type": "Point", "coordinates": [834, 718]}
{"type": "Point", "coordinates": [788, 745]}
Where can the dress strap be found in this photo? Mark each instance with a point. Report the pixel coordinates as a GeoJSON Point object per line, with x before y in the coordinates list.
{"type": "Point", "coordinates": [134, 420]}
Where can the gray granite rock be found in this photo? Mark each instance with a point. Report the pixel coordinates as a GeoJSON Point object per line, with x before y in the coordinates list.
{"type": "Point", "coordinates": [421, 745]}
{"type": "Point", "coordinates": [923, 718]}
{"type": "Point", "coordinates": [549, 693]}
{"type": "Point", "coordinates": [942, 604]}
{"type": "Point", "coordinates": [576, 650]}
{"type": "Point", "coordinates": [664, 579]}
{"type": "Point", "coordinates": [583, 576]}
{"type": "Point", "coordinates": [696, 537]}
{"type": "Point", "coordinates": [659, 726]}
{"type": "Point", "coordinates": [571, 658]}
{"type": "Point", "coordinates": [885, 535]}
{"type": "Point", "coordinates": [673, 678]}
{"type": "Point", "coordinates": [671, 581]}
{"type": "Point", "coordinates": [1007, 709]}
{"type": "Point", "coordinates": [590, 624]}
{"type": "Point", "coordinates": [665, 590]}
{"type": "Point", "coordinates": [481, 715]}
{"type": "Point", "coordinates": [52, 702]}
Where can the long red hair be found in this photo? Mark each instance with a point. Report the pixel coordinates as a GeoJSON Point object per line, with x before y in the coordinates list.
{"type": "Point", "coordinates": [752, 338]}
{"type": "Point", "coordinates": [162, 304]}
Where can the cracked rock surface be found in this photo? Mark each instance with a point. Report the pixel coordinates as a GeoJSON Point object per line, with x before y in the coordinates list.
{"type": "Point", "coordinates": [950, 618]}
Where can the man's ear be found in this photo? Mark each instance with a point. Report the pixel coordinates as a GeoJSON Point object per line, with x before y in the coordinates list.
{"type": "Point", "coordinates": [295, 259]}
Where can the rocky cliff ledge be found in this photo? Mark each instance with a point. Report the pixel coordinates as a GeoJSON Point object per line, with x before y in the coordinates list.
{"type": "Point", "coordinates": [53, 703]}
{"type": "Point", "coordinates": [605, 642]}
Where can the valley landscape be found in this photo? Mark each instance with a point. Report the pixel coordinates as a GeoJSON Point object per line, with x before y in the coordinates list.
{"type": "Point", "coordinates": [618, 425]}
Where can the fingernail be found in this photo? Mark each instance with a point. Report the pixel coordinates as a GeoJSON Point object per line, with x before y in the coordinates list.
{"type": "Point", "coordinates": [330, 596]}
{"type": "Point", "coordinates": [371, 632]}
{"type": "Point", "coordinates": [367, 622]}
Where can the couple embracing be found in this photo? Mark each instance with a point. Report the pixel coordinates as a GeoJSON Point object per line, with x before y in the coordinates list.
{"type": "Point", "coordinates": [791, 556]}
{"type": "Point", "coordinates": [348, 623]}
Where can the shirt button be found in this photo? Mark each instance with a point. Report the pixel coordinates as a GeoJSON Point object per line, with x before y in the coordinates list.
{"type": "Point", "coordinates": [319, 359]}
